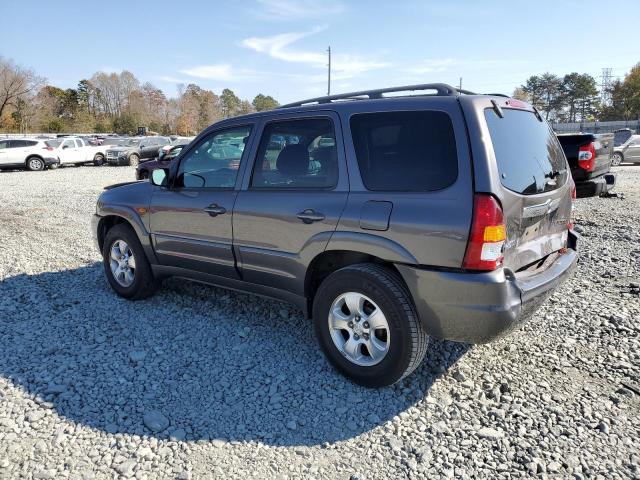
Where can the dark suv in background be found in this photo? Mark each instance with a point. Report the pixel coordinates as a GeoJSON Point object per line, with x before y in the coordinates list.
{"type": "Point", "coordinates": [388, 219]}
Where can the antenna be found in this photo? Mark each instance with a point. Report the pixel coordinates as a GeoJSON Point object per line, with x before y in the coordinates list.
{"type": "Point", "coordinates": [605, 87]}
{"type": "Point", "coordinates": [329, 72]}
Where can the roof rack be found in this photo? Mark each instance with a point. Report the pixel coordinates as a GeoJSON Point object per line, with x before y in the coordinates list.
{"type": "Point", "coordinates": [442, 89]}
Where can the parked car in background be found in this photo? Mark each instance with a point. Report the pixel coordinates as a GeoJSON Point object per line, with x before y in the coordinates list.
{"type": "Point", "coordinates": [174, 142]}
{"type": "Point", "coordinates": [445, 214]}
{"type": "Point", "coordinates": [32, 154]}
{"type": "Point", "coordinates": [144, 169]}
{"type": "Point", "coordinates": [621, 136]}
{"type": "Point", "coordinates": [75, 151]}
{"type": "Point", "coordinates": [136, 149]}
{"type": "Point", "coordinates": [589, 156]}
{"type": "Point", "coordinates": [126, 152]}
{"type": "Point", "coordinates": [628, 152]}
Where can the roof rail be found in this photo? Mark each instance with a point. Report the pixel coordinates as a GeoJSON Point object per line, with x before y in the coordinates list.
{"type": "Point", "coordinates": [442, 89]}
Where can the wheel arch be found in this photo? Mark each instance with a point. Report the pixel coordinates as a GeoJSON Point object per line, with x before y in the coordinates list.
{"type": "Point", "coordinates": [329, 261]}
{"type": "Point", "coordinates": [113, 218]}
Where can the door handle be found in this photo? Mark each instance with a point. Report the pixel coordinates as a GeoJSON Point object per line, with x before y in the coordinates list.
{"type": "Point", "coordinates": [215, 210]}
{"type": "Point", "coordinates": [309, 216]}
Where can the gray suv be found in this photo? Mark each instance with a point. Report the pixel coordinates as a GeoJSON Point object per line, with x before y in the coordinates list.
{"type": "Point", "coordinates": [387, 219]}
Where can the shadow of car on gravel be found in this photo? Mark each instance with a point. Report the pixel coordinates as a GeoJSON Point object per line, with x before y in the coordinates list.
{"type": "Point", "coordinates": [194, 362]}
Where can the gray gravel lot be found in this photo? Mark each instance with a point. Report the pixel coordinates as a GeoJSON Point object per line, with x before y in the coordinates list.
{"type": "Point", "coordinates": [199, 382]}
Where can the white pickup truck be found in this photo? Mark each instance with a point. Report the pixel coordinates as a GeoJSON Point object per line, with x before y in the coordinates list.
{"type": "Point", "coordinates": [75, 151]}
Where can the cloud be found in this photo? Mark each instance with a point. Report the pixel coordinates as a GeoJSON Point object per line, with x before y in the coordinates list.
{"type": "Point", "coordinates": [343, 66]}
{"type": "Point", "coordinates": [210, 72]}
{"type": "Point", "coordinates": [432, 65]}
{"type": "Point", "coordinates": [170, 79]}
{"type": "Point", "coordinates": [299, 9]}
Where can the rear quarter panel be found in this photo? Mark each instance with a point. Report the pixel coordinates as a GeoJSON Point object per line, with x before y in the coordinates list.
{"type": "Point", "coordinates": [424, 228]}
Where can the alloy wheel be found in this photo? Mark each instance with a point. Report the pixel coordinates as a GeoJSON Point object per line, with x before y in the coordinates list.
{"type": "Point", "coordinates": [359, 329]}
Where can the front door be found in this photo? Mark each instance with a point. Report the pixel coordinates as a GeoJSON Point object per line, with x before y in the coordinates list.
{"type": "Point", "coordinates": [633, 151]}
{"type": "Point", "coordinates": [191, 220]}
{"type": "Point", "coordinates": [68, 152]}
{"type": "Point", "coordinates": [292, 201]}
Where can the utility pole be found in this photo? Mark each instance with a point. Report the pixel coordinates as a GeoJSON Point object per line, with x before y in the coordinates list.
{"type": "Point", "coordinates": [329, 72]}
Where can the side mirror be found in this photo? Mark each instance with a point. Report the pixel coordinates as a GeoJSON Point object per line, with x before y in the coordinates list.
{"type": "Point", "coordinates": [64, 147]}
{"type": "Point", "coordinates": [159, 177]}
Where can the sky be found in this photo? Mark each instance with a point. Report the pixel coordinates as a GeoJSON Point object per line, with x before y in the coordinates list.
{"type": "Point", "coordinates": [278, 47]}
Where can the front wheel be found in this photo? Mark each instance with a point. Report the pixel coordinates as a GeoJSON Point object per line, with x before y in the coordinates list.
{"type": "Point", "coordinates": [35, 164]}
{"type": "Point", "coordinates": [125, 264]}
{"type": "Point", "coordinates": [134, 160]}
{"type": "Point", "coordinates": [367, 326]}
{"type": "Point", "coordinates": [616, 159]}
{"type": "Point", "coordinates": [98, 160]}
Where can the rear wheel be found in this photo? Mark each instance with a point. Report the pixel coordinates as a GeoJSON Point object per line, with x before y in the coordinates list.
{"type": "Point", "coordinates": [35, 164]}
{"type": "Point", "coordinates": [616, 159]}
{"type": "Point", "coordinates": [126, 265]}
{"type": "Point", "coordinates": [98, 160]}
{"type": "Point", "coordinates": [134, 160]}
{"type": "Point", "coordinates": [367, 325]}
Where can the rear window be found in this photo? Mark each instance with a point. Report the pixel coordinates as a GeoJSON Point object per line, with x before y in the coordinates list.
{"type": "Point", "coordinates": [529, 156]}
{"type": "Point", "coordinates": [53, 143]}
{"type": "Point", "coordinates": [405, 151]}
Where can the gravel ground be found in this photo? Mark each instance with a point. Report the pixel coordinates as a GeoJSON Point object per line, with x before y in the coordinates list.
{"type": "Point", "coordinates": [199, 382]}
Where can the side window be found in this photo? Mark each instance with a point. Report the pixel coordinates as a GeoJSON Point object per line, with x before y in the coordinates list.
{"type": "Point", "coordinates": [4, 144]}
{"type": "Point", "coordinates": [15, 144]}
{"type": "Point", "coordinates": [214, 162]}
{"type": "Point", "coordinates": [68, 144]}
{"type": "Point", "coordinates": [405, 151]}
{"type": "Point", "coordinates": [30, 143]}
{"type": "Point", "coordinates": [79, 143]}
{"type": "Point", "coordinates": [297, 154]}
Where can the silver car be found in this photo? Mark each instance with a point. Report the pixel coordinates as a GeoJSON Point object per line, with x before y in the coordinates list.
{"type": "Point", "coordinates": [628, 152]}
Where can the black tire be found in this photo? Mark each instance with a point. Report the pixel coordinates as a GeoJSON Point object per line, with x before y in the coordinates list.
{"type": "Point", "coordinates": [134, 160]}
{"type": "Point", "coordinates": [98, 160]}
{"type": "Point", "coordinates": [617, 159]}
{"type": "Point", "coordinates": [35, 164]}
{"type": "Point", "coordinates": [144, 283]}
{"type": "Point", "coordinates": [408, 341]}
{"type": "Point", "coordinates": [144, 175]}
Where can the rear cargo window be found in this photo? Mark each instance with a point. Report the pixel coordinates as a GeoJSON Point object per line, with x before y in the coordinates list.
{"type": "Point", "coordinates": [405, 151]}
{"type": "Point", "coordinates": [529, 156]}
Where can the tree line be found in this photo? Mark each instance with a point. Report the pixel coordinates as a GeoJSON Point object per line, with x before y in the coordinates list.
{"type": "Point", "coordinates": [577, 97]}
{"type": "Point", "coordinates": [112, 102]}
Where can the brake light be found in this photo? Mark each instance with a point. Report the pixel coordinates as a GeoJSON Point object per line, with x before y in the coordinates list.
{"type": "Point", "coordinates": [573, 198]}
{"type": "Point", "coordinates": [512, 102]}
{"type": "Point", "coordinates": [48, 148]}
{"type": "Point", "coordinates": [587, 157]}
{"type": "Point", "coordinates": [487, 236]}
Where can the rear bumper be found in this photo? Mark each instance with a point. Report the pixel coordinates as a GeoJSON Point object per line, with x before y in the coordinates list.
{"type": "Point", "coordinates": [596, 186]}
{"type": "Point", "coordinates": [481, 307]}
{"type": "Point", "coordinates": [48, 161]}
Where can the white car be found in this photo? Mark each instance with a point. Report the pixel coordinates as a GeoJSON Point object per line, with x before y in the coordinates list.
{"type": "Point", "coordinates": [30, 153]}
{"type": "Point", "coordinates": [75, 151]}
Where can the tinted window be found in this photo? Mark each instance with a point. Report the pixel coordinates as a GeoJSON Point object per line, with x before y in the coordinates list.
{"type": "Point", "coordinates": [405, 151]}
{"type": "Point", "coordinates": [53, 143]}
{"type": "Point", "coordinates": [297, 154]}
{"type": "Point", "coordinates": [4, 144]}
{"type": "Point", "coordinates": [79, 143]}
{"type": "Point", "coordinates": [529, 156]}
{"type": "Point", "coordinates": [30, 143]}
{"type": "Point", "coordinates": [212, 164]}
{"type": "Point", "coordinates": [16, 144]}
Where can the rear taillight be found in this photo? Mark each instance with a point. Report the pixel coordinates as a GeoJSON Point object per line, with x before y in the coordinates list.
{"type": "Point", "coordinates": [48, 148]}
{"type": "Point", "coordinates": [573, 198]}
{"type": "Point", "coordinates": [587, 157]}
{"type": "Point", "coordinates": [487, 236]}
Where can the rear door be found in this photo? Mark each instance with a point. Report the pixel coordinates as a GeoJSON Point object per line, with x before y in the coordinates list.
{"type": "Point", "coordinates": [632, 152]}
{"type": "Point", "coordinates": [291, 200]}
{"type": "Point", "coordinates": [518, 158]}
{"type": "Point", "coordinates": [191, 221]}
{"type": "Point", "coordinates": [18, 152]}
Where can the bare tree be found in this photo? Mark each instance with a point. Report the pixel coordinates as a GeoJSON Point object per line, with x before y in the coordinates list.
{"type": "Point", "coordinates": [16, 82]}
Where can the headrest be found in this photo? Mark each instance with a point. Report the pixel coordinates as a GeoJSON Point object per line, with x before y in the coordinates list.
{"type": "Point", "coordinates": [293, 160]}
